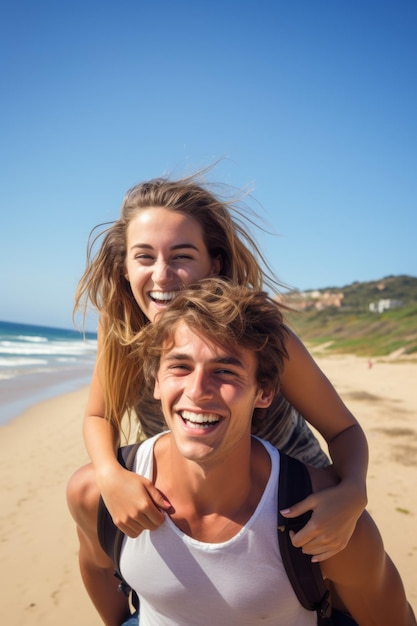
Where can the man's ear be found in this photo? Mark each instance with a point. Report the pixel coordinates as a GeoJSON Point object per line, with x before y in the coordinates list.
{"type": "Point", "coordinates": [264, 399]}
{"type": "Point", "coordinates": [156, 391]}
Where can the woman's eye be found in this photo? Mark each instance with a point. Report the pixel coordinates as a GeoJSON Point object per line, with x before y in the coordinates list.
{"type": "Point", "coordinates": [182, 257]}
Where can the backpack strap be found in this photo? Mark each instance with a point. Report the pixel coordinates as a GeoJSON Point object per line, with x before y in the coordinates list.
{"type": "Point", "coordinates": [109, 535]}
{"type": "Point", "coordinates": [305, 576]}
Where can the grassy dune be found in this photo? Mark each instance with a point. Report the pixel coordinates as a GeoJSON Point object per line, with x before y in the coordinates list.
{"type": "Point", "coordinates": [361, 333]}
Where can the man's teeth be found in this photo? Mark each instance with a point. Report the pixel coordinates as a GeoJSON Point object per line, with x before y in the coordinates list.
{"type": "Point", "coordinates": [199, 419]}
{"type": "Point", "coordinates": [162, 296]}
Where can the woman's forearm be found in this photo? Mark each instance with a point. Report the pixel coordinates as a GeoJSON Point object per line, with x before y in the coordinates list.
{"type": "Point", "coordinates": [349, 453]}
{"type": "Point", "coordinates": [101, 441]}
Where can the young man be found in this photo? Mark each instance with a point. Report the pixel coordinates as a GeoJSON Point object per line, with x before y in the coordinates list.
{"type": "Point", "coordinates": [214, 360]}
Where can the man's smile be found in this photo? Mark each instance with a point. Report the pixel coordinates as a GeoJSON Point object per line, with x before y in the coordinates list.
{"type": "Point", "coordinates": [199, 420]}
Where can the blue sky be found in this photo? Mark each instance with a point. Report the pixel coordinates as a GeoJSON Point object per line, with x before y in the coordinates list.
{"type": "Point", "coordinates": [312, 103]}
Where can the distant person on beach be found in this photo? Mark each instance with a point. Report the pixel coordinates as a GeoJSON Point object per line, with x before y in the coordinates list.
{"type": "Point", "coordinates": [213, 361]}
{"type": "Point", "coordinates": [171, 234]}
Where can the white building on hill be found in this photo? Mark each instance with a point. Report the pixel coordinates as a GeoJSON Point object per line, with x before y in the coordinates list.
{"type": "Point", "coordinates": [384, 305]}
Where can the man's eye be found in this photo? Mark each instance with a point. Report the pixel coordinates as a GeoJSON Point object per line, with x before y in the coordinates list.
{"type": "Point", "coordinates": [225, 372]}
{"type": "Point", "coordinates": [179, 368]}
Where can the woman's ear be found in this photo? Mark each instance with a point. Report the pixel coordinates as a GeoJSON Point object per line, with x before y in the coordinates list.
{"type": "Point", "coordinates": [216, 266]}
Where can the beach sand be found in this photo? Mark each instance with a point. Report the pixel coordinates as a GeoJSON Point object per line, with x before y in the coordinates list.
{"type": "Point", "coordinates": [40, 449]}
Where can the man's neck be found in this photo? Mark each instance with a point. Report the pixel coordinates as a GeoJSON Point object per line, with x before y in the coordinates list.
{"type": "Point", "coordinates": [212, 501]}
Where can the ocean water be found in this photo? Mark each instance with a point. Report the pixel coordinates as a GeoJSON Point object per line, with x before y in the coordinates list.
{"type": "Point", "coordinates": [38, 362]}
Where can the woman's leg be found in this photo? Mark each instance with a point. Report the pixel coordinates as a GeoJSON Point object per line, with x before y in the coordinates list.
{"type": "Point", "coordinates": [96, 568]}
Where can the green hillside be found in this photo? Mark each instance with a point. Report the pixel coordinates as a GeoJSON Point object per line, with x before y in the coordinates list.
{"type": "Point", "coordinates": [352, 328]}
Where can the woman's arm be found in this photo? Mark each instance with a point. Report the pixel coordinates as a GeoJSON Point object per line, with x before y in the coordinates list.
{"type": "Point", "coordinates": [132, 500]}
{"type": "Point", "coordinates": [100, 437]}
{"type": "Point", "coordinates": [335, 510]}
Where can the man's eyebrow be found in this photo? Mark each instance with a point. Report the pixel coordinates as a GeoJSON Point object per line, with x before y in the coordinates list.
{"type": "Point", "coordinates": [229, 360]}
{"type": "Point", "coordinates": [176, 356]}
{"type": "Point", "coordinates": [222, 360]}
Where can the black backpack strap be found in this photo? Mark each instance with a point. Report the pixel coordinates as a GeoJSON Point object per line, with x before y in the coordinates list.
{"type": "Point", "coordinates": [305, 576]}
{"type": "Point", "coordinates": [109, 535]}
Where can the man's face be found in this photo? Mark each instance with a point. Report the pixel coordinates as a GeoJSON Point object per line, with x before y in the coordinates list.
{"type": "Point", "coordinates": [208, 395]}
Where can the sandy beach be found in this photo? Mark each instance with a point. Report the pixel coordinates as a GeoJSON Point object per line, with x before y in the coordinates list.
{"type": "Point", "coordinates": [40, 449]}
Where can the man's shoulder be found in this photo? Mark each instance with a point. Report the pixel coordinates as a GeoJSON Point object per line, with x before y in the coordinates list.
{"type": "Point", "coordinates": [271, 450]}
{"type": "Point", "coordinates": [145, 452]}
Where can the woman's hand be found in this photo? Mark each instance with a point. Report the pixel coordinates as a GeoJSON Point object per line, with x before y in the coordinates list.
{"type": "Point", "coordinates": [133, 501]}
{"type": "Point", "coordinates": [335, 511]}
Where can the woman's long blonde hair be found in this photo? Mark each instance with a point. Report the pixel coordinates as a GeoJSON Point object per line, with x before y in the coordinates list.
{"type": "Point", "coordinates": [225, 228]}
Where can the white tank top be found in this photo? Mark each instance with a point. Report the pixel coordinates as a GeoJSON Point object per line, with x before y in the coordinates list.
{"type": "Point", "coordinates": [241, 582]}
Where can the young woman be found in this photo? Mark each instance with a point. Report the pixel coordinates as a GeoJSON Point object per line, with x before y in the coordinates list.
{"type": "Point", "coordinates": [171, 234]}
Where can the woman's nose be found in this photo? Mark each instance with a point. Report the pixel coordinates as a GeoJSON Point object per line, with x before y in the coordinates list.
{"type": "Point", "coordinates": [162, 272]}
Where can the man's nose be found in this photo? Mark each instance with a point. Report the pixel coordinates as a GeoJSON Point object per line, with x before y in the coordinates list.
{"type": "Point", "coordinates": [198, 385]}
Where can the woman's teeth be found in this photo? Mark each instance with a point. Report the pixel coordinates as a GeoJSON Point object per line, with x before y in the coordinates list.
{"type": "Point", "coordinates": [162, 297]}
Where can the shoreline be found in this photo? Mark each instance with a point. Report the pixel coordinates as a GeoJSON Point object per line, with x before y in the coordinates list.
{"type": "Point", "coordinates": [42, 447]}
{"type": "Point", "coordinates": [25, 390]}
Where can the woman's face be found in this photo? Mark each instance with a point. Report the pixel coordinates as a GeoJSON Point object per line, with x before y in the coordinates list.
{"type": "Point", "coordinates": [165, 251]}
